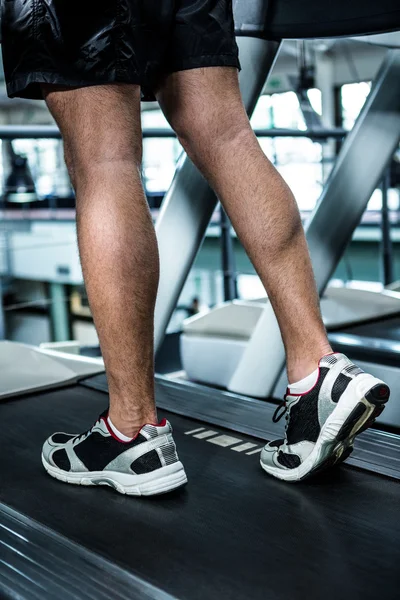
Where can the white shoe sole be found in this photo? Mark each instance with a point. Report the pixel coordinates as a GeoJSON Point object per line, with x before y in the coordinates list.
{"type": "Point", "coordinates": [360, 404]}
{"type": "Point", "coordinates": [160, 481]}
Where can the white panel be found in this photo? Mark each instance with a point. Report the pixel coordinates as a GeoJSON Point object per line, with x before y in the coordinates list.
{"type": "Point", "coordinates": [244, 447]}
{"type": "Point", "coordinates": [205, 434]}
{"type": "Point", "coordinates": [25, 369]}
{"type": "Point", "coordinates": [235, 319]}
{"type": "Point", "coordinates": [49, 252]}
{"type": "Point", "coordinates": [209, 359]}
{"type": "Point", "coordinates": [224, 440]}
{"type": "Point", "coordinates": [192, 431]}
{"type": "Point", "coordinates": [85, 333]}
{"type": "Point", "coordinates": [346, 306]}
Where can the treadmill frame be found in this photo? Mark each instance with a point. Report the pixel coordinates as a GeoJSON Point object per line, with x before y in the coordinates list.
{"type": "Point", "coordinates": [40, 564]}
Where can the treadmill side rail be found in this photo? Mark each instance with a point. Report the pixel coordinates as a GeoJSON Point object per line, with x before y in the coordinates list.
{"type": "Point", "coordinates": [39, 563]}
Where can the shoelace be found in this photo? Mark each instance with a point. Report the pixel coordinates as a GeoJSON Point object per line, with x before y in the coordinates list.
{"type": "Point", "coordinates": [281, 410]}
{"type": "Point", "coordinates": [82, 435]}
{"type": "Point", "coordinates": [86, 433]}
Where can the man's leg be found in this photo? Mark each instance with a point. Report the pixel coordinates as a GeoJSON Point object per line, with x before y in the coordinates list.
{"type": "Point", "coordinates": [101, 130]}
{"type": "Point", "coordinates": [205, 108]}
{"type": "Point", "coordinates": [329, 405]}
{"type": "Point", "coordinates": [126, 448]}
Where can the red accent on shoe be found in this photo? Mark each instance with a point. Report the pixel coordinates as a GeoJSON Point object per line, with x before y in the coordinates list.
{"type": "Point", "coordinates": [110, 431]}
{"type": "Point", "coordinates": [319, 372]}
{"type": "Point", "coordinates": [288, 393]}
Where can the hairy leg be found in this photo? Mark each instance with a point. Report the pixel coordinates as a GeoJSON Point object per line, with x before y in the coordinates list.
{"type": "Point", "coordinates": [101, 130]}
{"type": "Point", "coordinates": [205, 108]}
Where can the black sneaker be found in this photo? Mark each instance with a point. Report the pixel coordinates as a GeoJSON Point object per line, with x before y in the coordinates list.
{"type": "Point", "coordinates": [323, 422]}
{"type": "Point", "coordinates": [145, 466]}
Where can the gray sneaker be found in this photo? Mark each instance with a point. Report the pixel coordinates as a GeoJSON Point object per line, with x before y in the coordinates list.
{"type": "Point", "coordinates": [145, 466]}
{"type": "Point", "coordinates": [323, 422]}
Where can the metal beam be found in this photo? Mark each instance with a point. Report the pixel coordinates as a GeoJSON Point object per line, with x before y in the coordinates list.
{"type": "Point", "coordinates": [190, 203]}
{"type": "Point", "coordinates": [386, 242]}
{"type": "Point", "coordinates": [2, 318]}
{"type": "Point", "coordinates": [29, 132]}
{"type": "Point", "coordinates": [357, 173]}
{"type": "Point", "coordinates": [228, 262]}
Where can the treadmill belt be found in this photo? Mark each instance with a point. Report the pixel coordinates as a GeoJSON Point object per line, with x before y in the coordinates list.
{"type": "Point", "coordinates": [231, 533]}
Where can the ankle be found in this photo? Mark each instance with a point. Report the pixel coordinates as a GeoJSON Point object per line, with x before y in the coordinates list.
{"type": "Point", "coordinates": [129, 427]}
{"type": "Point", "coordinates": [299, 368]}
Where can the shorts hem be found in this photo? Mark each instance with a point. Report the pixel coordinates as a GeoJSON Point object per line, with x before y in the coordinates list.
{"type": "Point", "coordinates": [206, 60]}
{"type": "Point", "coordinates": [28, 85]}
{"type": "Point", "coordinates": [187, 64]}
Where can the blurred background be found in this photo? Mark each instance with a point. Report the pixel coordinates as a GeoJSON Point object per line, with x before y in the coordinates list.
{"type": "Point", "coordinates": [316, 86]}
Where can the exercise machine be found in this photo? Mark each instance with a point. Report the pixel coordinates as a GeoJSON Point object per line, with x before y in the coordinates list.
{"type": "Point", "coordinates": [233, 532]}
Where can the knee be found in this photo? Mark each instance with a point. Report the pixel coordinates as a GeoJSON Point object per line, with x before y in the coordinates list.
{"type": "Point", "coordinates": [86, 161]}
{"type": "Point", "coordinates": [211, 131]}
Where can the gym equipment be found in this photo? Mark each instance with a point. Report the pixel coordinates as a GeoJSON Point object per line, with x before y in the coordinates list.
{"type": "Point", "coordinates": [206, 336]}
{"type": "Point", "coordinates": [234, 533]}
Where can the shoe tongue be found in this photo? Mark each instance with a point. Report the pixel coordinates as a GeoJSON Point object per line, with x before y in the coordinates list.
{"type": "Point", "coordinates": [290, 399]}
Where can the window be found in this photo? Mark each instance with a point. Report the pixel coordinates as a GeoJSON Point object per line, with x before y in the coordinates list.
{"type": "Point", "coordinates": [353, 97]}
{"type": "Point", "coordinates": [46, 161]}
{"type": "Point", "coordinates": [160, 155]}
{"type": "Point", "coordinates": [297, 159]}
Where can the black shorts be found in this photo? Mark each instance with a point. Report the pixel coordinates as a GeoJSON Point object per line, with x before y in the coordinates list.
{"type": "Point", "coordinates": [79, 43]}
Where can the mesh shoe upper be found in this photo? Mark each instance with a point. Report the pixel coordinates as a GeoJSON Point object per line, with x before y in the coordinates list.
{"type": "Point", "coordinates": [307, 413]}
{"type": "Point", "coordinates": [99, 450]}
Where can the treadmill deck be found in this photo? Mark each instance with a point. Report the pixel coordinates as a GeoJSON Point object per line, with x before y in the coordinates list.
{"type": "Point", "coordinates": [231, 533]}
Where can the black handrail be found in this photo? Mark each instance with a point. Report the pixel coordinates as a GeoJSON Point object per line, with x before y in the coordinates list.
{"type": "Point", "coordinates": [25, 132]}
